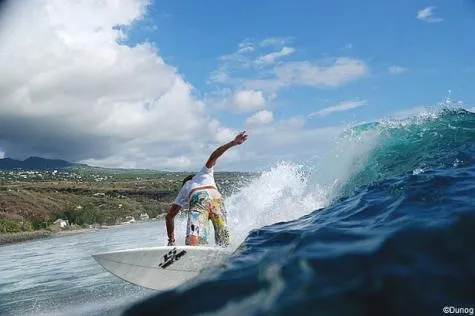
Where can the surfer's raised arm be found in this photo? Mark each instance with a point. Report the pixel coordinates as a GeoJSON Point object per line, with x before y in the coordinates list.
{"type": "Point", "coordinates": [238, 140]}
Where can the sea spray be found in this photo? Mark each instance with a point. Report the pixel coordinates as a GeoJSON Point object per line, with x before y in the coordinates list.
{"type": "Point", "coordinates": [277, 195]}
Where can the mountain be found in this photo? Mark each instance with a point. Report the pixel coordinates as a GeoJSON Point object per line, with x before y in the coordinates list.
{"type": "Point", "coordinates": [34, 163]}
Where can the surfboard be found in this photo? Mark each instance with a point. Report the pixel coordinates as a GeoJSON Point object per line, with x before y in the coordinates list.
{"type": "Point", "coordinates": [161, 268]}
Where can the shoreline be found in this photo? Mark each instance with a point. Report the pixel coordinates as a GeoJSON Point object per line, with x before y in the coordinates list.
{"type": "Point", "coordinates": [14, 238]}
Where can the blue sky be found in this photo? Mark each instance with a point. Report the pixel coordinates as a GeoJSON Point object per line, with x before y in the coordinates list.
{"type": "Point", "coordinates": [429, 55]}
{"type": "Point", "coordinates": [160, 84]}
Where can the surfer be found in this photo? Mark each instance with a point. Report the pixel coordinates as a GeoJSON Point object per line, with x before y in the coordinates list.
{"type": "Point", "coordinates": [205, 203]}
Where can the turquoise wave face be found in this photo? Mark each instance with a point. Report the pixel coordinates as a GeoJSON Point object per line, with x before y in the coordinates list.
{"type": "Point", "coordinates": [420, 144]}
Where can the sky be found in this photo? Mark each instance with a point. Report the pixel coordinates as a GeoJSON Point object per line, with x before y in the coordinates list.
{"type": "Point", "coordinates": [161, 84]}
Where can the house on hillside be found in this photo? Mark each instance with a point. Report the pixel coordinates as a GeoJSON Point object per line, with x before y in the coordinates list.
{"type": "Point", "coordinates": [129, 220]}
{"type": "Point", "coordinates": [144, 217]}
{"type": "Point", "coordinates": [61, 223]}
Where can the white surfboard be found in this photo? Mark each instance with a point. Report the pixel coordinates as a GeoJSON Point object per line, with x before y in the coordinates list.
{"type": "Point", "coordinates": [161, 268]}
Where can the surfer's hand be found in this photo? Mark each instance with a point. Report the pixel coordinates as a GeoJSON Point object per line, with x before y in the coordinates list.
{"type": "Point", "coordinates": [171, 242]}
{"type": "Point", "coordinates": [240, 138]}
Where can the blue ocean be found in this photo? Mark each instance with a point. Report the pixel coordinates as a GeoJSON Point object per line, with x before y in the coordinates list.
{"type": "Point", "coordinates": [384, 224]}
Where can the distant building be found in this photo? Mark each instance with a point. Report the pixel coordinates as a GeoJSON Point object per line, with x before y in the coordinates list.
{"type": "Point", "coordinates": [144, 217]}
{"type": "Point", "coordinates": [61, 223]}
{"type": "Point", "coordinates": [129, 220]}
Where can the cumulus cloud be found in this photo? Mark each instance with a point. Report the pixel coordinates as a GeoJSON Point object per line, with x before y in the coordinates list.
{"type": "Point", "coordinates": [260, 118]}
{"type": "Point", "coordinates": [72, 89]}
{"type": "Point", "coordinates": [343, 106]}
{"type": "Point", "coordinates": [427, 15]}
{"type": "Point", "coordinates": [249, 100]}
{"type": "Point", "coordinates": [396, 70]}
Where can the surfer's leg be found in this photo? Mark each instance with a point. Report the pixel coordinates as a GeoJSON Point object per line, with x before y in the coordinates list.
{"type": "Point", "coordinates": [196, 230]}
{"type": "Point", "coordinates": [219, 219]}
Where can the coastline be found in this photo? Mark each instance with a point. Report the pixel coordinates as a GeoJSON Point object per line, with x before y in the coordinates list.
{"type": "Point", "coordinates": [13, 238]}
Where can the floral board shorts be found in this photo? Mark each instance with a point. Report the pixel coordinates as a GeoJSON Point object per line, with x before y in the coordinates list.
{"type": "Point", "coordinates": [207, 205]}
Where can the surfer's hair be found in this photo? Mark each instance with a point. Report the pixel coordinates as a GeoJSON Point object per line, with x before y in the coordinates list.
{"type": "Point", "coordinates": [187, 178]}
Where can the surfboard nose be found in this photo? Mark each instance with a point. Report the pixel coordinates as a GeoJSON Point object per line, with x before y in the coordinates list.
{"type": "Point", "coordinates": [161, 268]}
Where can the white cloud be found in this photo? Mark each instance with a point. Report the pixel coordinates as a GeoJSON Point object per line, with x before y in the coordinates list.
{"type": "Point", "coordinates": [239, 59]}
{"type": "Point", "coordinates": [260, 118]}
{"type": "Point", "coordinates": [246, 46]}
{"type": "Point", "coordinates": [293, 141]}
{"type": "Point", "coordinates": [323, 74]}
{"type": "Point", "coordinates": [249, 100]}
{"type": "Point", "coordinates": [83, 96]}
{"type": "Point", "coordinates": [396, 70]}
{"type": "Point", "coordinates": [234, 69]}
{"type": "Point", "coordinates": [72, 89]}
{"type": "Point", "coordinates": [343, 106]}
{"type": "Point", "coordinates": [221, 134]}
{"type": "Point", "coordinates": [330, 74]}
{"type": "Point", "coordinates": [273, 57]}
{"type": "Point", "coordinates": [219, 76]}
{"type": "Point", "coordinates": [427, 15]}
{"type": "Point", "coordinates": [246, 82]}
{"type": "Point", "coordinates": [274, 41]}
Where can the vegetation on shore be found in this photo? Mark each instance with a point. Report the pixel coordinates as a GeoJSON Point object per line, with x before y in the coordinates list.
{"type": "Point", "coordinates": [34, 200]}
{"type": "Point", "coordinates": [24, 236]}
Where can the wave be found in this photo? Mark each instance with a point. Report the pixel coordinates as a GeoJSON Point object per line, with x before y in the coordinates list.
{"type": "Point", "coordinates": [363, 154]}
{"type": "Point", "coordinates": [428, 141]}
{"type": "Point", "coordinates": [383, 225]}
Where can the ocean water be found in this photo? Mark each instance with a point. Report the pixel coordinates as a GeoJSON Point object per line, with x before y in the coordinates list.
{"type": "Point", "coordinates": [384, 224]}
